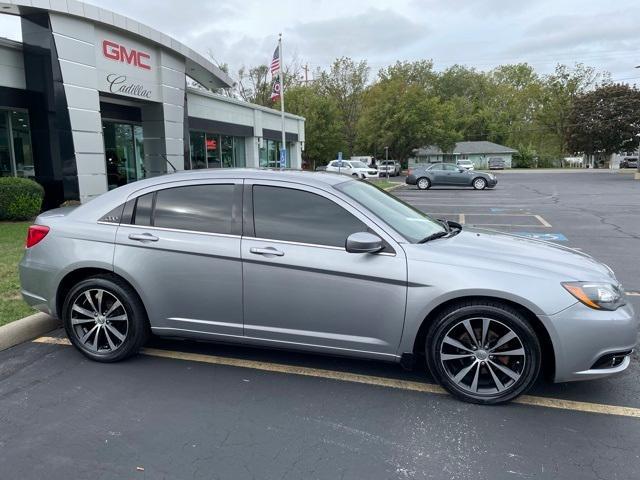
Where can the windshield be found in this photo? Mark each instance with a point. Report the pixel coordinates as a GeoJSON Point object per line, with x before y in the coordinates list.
{"type": "Point", "coordinates": [359, 165]}
{"type": "Point", "coordinates": [412, 224]}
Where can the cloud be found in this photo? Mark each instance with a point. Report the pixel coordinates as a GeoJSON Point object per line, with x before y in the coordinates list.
{"type": "Point", "coordinates": [374, 32]}
{"type": "Point", "coordinates": [579, 31]}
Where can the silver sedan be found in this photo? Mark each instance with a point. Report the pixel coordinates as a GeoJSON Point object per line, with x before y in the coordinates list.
{"type": "Point", "coordinates": [324, 263]}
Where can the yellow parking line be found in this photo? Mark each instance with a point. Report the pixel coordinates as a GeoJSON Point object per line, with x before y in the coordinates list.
{"type": "Point", "coordinates": [546, 402]}
{"type": "Point", "coordinates": [461, 218]}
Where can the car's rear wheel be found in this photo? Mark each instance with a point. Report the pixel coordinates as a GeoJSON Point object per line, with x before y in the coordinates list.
{"type": "Point", "coordinates": [105, 319]}
{"type": "Point", "coordinates": [423, 183]}
{"type": "Point", "coordinates": [483, 352]}
{"type": "Point", "coordinates": [479, 183]}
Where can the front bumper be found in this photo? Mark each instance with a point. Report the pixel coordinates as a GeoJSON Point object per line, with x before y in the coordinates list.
{"type": "Point", "coordinates": [582, 336]}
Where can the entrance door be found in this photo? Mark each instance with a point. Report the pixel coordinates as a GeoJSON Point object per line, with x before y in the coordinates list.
{"type": "Point", "coordinates": [124, 152]}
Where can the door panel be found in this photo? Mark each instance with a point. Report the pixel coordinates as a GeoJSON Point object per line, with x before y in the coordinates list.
{"type": "Point", "coordinates": [320, 295]}
{"type": "Point", "coordinates": [189, 280]}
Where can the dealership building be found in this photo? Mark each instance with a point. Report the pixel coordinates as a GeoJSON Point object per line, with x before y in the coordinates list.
{"type": "Point", "coordinates": [91, 100]}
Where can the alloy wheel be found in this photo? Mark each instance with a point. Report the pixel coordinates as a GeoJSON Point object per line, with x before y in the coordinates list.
{"type": "Point", "coordinates": [99, 320]}
{"type": "Point", "coordinates": [482, 356]}
{"type": "Point", "coordinates": [423, 183]}
{"type": "Point", "coordinates": [479, 183]}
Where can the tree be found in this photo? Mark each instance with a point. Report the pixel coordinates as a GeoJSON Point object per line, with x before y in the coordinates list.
{"type": "Point", "coordinates": [605, 120]}
{"type": "Point", "coordinates": [557, 96]}
{"type": "Point", "coordinates": [346, 82]}
{"type": "Point", "coordinates": [400, 112]}
{"type": "Point", "coordinates": [323, 126]}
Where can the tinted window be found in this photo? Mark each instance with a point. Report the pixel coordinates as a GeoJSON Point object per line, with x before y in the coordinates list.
{"type": "Point", "coordinates": [297, 216]}
{"type": "Point", "coordinates": [202, 208]}
{"type": "Point", "coordinates": [144, 205]}
{"type": "Point", "coordinates": [451, 168]}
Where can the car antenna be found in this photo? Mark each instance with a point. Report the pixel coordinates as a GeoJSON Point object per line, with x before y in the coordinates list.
{"type": "Point", "coordinates": [169, 162]}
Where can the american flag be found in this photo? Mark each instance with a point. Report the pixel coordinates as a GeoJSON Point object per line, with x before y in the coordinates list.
{"type": "Point", "coordinates": [275, 62]}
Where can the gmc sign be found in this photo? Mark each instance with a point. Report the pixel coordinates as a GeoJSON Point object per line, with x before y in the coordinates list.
{"type": "Point", "coordinates": [120, 53]}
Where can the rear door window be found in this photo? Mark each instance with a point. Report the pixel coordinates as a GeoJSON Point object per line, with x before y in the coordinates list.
{"type": "Point", "coordinates": [200, 208]}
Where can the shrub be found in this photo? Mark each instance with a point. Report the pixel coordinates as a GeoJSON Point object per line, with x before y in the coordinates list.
{"type": "Point", "coordinates": [20, 198]}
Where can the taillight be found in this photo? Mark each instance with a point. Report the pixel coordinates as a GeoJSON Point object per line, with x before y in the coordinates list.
{"type": "Point", "coordinates": [35, 234]}
{"type": "Point", "coordinates": [411, 171]}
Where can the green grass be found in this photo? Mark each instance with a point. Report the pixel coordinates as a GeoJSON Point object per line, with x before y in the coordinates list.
{"type": "Point", "coordinates": [383, 183]}
{"type": "Point", "coordinates": [12, 236]}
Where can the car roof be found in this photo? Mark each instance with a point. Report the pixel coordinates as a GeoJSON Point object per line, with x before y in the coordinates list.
{"type": "Point", "coordinates": [113, 198]}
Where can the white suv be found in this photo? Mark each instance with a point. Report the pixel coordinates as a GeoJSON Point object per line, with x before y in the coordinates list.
{"type": "Point", "coordinates": [466, 164]}
{"type": "Point", "coordinates": [352, 167]}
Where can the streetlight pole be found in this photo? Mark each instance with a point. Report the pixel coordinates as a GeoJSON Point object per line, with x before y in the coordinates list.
{"type": "Point", "coordinates": [386, 157]}
{"type": "Point", "coordinates": [637, 174]}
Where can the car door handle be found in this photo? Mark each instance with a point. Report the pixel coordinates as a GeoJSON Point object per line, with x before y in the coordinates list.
{"type": "Point", "coordinates": [143, 237]}
{"type": "Point", "coordinates": [266, 251]}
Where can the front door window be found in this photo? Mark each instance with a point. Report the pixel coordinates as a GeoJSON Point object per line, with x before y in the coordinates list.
{"type": "Point", "coordinates": [124, 150]}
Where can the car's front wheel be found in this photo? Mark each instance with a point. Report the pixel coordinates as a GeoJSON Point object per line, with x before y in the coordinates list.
{"type": "Point", "coordinates": [479, 183]}
{"type": "Point", "coordinates": [483, 352]}
{"type": "Point", "coordinates": [423, 183]}
{"type": "Point", "coordinates": [105, 319]}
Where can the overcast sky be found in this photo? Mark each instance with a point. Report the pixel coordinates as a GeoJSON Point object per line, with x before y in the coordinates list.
{"type": "Point", "coordinates": [479, 33]}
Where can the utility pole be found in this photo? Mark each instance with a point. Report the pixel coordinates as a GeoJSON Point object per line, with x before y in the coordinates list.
{"type": "Point", "coordinates": [306, 73]}
{"type": "Point", "coordinates": [386, 157]}
{"type": "Point", "coordinates": [637, 174]}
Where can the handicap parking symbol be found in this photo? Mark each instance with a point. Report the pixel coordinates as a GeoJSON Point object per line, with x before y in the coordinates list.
{"type": "Point", "coordinates": [551, 237]}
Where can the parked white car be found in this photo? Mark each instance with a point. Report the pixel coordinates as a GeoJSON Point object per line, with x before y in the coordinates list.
{"type": "Point", "coordinates": [351, 167]}
{"type": "Point", "coordinates": [389, 166]}
{"type": "Point", "coordinates": [466, 164]}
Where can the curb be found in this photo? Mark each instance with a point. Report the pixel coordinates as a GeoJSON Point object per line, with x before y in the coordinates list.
{"type": "Point", "coordinates": [26, 329]}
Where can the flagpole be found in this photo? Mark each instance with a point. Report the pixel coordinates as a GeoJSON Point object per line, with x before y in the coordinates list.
{"type": "Point", "coordinates": [284, 144]}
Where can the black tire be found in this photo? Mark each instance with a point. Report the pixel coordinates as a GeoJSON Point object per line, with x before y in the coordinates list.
{"type": "Point", "coordinates": [504, 319]}
{"type": "Point", "coordinates": [137, 329]}
{"type": "Point", "coordinates": [479, 183]}
{"type": "Point", "coordinates": [423, 183]}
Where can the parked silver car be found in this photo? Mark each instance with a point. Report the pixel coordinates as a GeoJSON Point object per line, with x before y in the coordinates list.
{"type": "Point", "coordinates": [324, 263]}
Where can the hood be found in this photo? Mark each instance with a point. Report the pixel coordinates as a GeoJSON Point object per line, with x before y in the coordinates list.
{"type": "Point", "coordinates": [492, 250]}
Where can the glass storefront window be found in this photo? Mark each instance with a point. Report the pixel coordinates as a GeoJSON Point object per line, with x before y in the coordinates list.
{"type": "Point", "coordinates": [226, 151]}
{"type": "Point", "coordinates": [16, 156]}
{"type": "Point", "coordinates": [124, 151]}
{"type": "Point", "coordinates": [23, 156]}
{"type": "Point", "coordinates": [239, 156]}
{"type": "Point", "coordinates": [213, 149]}
{"type": "Point", "coordinates": [210, 150]}
{"type": "Point", "coordinates": [270, 154]}
{"type": "Point", "coordinates": [5, 152]}
{"type": "Point", "coordinates": [197, 149]}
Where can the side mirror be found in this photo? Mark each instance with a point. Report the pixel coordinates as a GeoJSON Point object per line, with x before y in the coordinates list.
{"type": "Point", "coordinates": [462, 170]}
{"type": "Point", "coordinates": [363, 242]}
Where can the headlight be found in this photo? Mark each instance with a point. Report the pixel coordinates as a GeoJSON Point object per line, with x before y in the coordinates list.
{"type": "Point", "coordinates": [600, 296]}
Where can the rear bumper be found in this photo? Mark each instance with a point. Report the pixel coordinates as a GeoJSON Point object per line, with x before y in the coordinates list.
{"type": "Point", "coordinates": [582, 337]}
{"type": "Point", "coordinates": [35, 282]}
{"type": "Point", "coordinates": [411, 180]}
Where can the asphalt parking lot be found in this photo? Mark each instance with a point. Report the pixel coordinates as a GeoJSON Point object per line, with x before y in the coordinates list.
{"type": "Point", "coordinates": [211, 411]}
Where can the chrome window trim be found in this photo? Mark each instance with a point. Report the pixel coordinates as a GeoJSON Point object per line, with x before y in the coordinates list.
{"type": "Point", "coordinates": [316, 245]}
{"type": "Point", "coordinates": [177, 230]}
